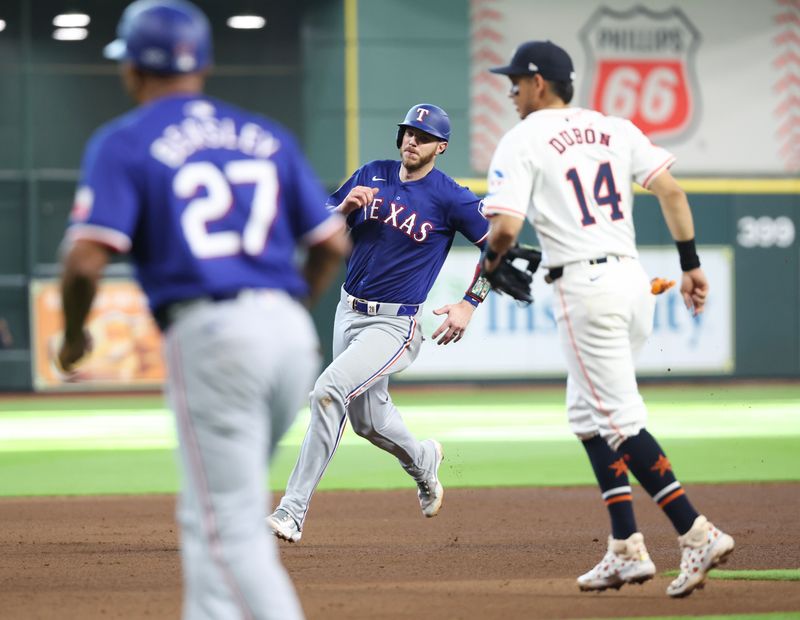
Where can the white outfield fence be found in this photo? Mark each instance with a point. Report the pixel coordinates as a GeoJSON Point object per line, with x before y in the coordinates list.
{"type": "Point", "coordinates": [506, 340]}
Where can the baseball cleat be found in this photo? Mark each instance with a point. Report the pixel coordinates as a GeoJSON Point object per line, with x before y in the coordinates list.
{"type": "Point", "coordinates": [430, 490]}
{"type": "Point", "coordinates": [284, 526]}
{"type": "Point", "coordinates": [626, 561]}
{"type": "Point", "coordinates": [702, 548]}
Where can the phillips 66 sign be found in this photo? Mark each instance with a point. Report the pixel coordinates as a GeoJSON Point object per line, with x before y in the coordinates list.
{"type": "Point", "coordinates": [641, 66]}
{"type": "Point", "coordinates": [676, 68]}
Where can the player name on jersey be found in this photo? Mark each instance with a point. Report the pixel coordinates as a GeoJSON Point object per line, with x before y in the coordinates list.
{"type": "Point", "coordinates": [578, 135]}
{"type": "Point", "coordinates": [180, 141]}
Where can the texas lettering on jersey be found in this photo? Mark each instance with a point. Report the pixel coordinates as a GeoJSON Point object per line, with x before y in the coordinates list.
{"type": "Point", "coordinates": [398, 213]}
{"type": "Point", "coordinates": [401, 239]}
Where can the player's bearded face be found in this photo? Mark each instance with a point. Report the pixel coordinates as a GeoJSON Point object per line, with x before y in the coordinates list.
{"type": "Point", "coordinates": [417, 149]}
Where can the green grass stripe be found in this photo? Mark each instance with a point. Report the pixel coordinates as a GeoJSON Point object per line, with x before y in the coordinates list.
{"type": "Point", "coordinates": [69, 403]}
{"type": "Point", "coordinates": [124, 444]}
{"type": "Point", "coordinates": [467, 464]}
{"type": "Point", "coordinates": [32, 430]}
{"type": "Point", "coordinates": [721, 394]}
{"type": "Point", "coordinates": [496, 396]}
{"type": "Point", "coordinates": [778, 574]}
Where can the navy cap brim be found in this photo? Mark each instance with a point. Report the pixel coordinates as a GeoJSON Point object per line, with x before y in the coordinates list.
{"type": "Point", "coordinates": [507, 70]}
{"type": "Point", "coordinates": [116, 50]}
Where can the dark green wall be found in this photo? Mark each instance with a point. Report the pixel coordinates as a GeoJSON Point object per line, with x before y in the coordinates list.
{"type": "Point", "coordinates": [323, 88]}
{"type": "Point", "coordinates": [52, 95]}
{"type": "Point", "coordinates": [413, 51]}
{"type": "Point", "coordinates": [766, 279]}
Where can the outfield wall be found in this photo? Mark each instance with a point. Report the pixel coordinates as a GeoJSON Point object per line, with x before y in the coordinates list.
{"type": "Point", "coordinates": [751, 327]}
{"type": "Point", "coordinates": [342, 73]}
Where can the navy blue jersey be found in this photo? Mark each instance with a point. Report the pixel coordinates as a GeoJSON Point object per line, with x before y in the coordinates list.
{"type": "Point", "coordinates": [401, 240]}
{"type": "Point", "coordinates": [208, 199]}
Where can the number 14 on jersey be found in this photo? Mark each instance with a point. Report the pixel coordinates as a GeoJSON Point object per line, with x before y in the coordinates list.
{"type": "Point", "coordinates": [605, 193]}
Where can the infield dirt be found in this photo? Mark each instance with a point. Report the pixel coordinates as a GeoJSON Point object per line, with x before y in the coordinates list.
{"type": "Point", "coordinates": [491, 553]}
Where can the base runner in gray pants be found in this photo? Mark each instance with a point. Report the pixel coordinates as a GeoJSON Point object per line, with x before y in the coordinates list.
{"type": "Point", "coordinates": [402, 216]}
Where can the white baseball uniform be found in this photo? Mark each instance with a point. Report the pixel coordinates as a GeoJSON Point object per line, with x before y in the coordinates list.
{"type": "Point", "coordinates": [569, 171]}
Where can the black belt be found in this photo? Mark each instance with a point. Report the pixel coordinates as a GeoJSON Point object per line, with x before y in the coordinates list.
{"type": "Point", "coordinates": [554, 273]}
{"type": "Point", "coordinates": [165, 313]}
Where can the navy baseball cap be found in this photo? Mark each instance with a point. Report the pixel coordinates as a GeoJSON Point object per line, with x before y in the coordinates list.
{"type": "Point", "coordinates": [542, 57]}
{"type": "Point", "coordinates": [163, 36]}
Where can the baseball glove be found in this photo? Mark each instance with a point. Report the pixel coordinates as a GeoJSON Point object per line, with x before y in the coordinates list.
{"type": "Point", "coordinates": [512, 280]}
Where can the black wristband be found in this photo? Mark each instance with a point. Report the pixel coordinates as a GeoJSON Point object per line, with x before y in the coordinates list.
{"type": "Point", "coordinates": [490, 254]}
{"type": "Point", "coordinates": [688, 254]}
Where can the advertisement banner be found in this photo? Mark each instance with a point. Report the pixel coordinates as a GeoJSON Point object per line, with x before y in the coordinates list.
{"type": "Point", "coordinates": [644, 69]}
{"type": "Point", "coordinates": [127, 342]}
{"type": "Point", "coordinates": [712, 81]}
{"type": "Point", "coordinates": [506, 340]}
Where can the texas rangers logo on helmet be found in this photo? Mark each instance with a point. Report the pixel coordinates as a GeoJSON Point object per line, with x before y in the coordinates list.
{"type": "Point", "coordinates": [641, 66]}
{"type": "Point", "coordinates": [422, 113]}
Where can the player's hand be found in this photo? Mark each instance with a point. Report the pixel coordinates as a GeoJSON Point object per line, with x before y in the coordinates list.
{"type": "Point", "coordinates": [458, 317]}
{"type": "Point", "coordinates": [694, 288]}
{"type": "Point", "coordinates": [357, 198]}
{"type": "Point", "coordinates": [72, 350]}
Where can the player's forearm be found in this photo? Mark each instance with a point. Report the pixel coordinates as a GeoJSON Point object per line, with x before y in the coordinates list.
{"type": "Point", "coordinates": [77, 295]}
{"type": "Point", "coordinates": [83, 268]}
{"type": "Point", "coordinates": [677, 214]}
{"type": "Point", "coordinates": [674, 206]}
{"type": "Point", "coordinates": [503, 233]}
{"type": "Point", "coordinates": [323, 262]}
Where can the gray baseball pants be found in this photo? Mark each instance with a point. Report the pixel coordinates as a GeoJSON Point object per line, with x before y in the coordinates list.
{"type": "Point", "coordinates": [239, 371]}
{"type": "Point", "coordinates": [366, 350]}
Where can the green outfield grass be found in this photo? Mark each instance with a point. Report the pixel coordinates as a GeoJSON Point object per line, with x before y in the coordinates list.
{"type": "Point", "coordinates": [492, 437]}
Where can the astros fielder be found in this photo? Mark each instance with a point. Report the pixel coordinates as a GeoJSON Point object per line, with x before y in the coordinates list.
{"type": "Point", "coordinates": [403, 216]}
{"type": "Point", "coordinates": [569, 171]}
{"type": "Point", "coordinates": [211, 202]}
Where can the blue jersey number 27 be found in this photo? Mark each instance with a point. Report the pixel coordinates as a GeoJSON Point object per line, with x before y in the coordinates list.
{"type": "Point", "coordinates": [218, 201]}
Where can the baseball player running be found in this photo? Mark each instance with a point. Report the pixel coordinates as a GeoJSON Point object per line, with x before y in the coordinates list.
{"type": "Point", "coordinates": [402, 217]}
{"type": "Point", "coordinates": [569, 171]}
{"type": "Point", "coordinates": [210, 201]}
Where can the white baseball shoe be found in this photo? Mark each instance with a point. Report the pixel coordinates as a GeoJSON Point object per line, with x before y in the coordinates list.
{"type": "Point", "coordinates": [284, 526]}
{"type": "Point", "coordinates": [626, 561]}
{"type": "Point", "coordinates": [430, 490]}
{"type": "Point", "coordinates": [702, 548]}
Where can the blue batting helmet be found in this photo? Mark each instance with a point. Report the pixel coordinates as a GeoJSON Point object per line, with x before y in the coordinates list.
{"type": "Point", "coordinates": [429, 118]}
{"type": "Point", "coordinates": [163, 36]}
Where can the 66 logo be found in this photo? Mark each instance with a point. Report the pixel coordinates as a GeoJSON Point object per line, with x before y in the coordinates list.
{"type": "Point", "coordinates": [641, 64]}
